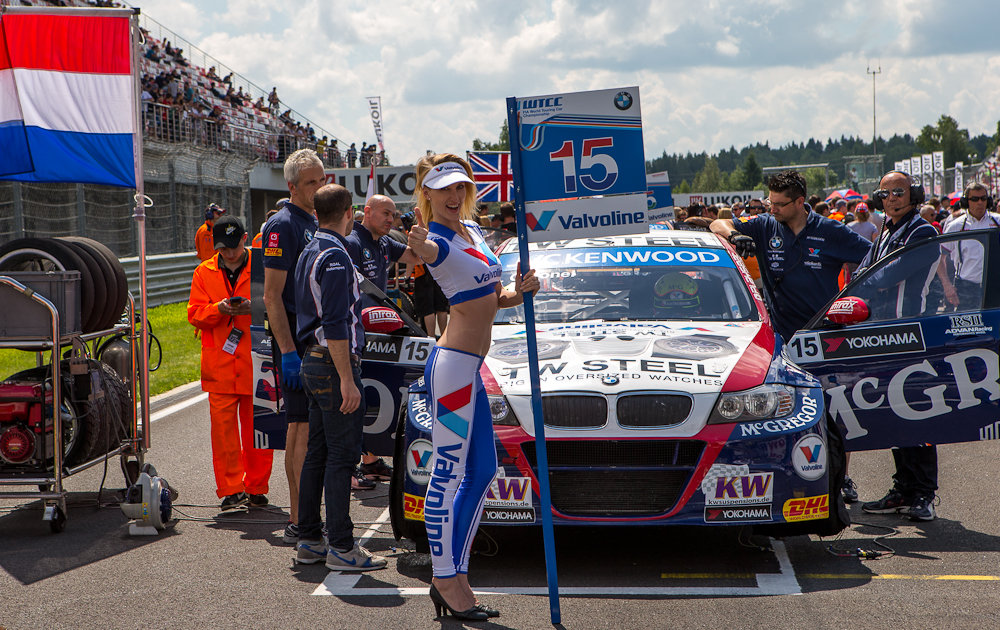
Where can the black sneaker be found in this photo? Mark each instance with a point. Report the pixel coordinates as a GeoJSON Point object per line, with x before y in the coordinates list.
{"type": "Point", "coordinates": [890, 503]}
{"type": "Point", "coordinates": [234, 501]}
{"type": "Point", "coordinates": [922, 509]}
{"type": "Point", "coordinates": [258, 500]}
{"type": "Point", "coordinates": [378, 469]}
{"type": "Point", "coordinates": [291, 535]}
{"type": "Point", "coordinates": [850, 491]}
{"type": "Point", "coordinates": [360, 482]}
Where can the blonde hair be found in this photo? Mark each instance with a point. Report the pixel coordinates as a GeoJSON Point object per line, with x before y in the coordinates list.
{"type": "Point", "coordinates": [425, 164]}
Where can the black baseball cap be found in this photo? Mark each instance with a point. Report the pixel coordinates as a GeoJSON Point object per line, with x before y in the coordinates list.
{"type": "Point", "coordinates": [227, 232]}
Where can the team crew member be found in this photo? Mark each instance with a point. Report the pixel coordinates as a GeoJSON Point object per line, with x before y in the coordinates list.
{"type": "Point", "coordinates": [285, 236]}
{"type": "Point", "coordinates": [328, 303]}
{"type": "Point", "coordinates": [915, 481]}
{"type": "Point", "coordinates": [800, 253]}
{"type": "Point", "coordinates": [464, 460]}
{"type": "Point", "coordinates": [220, 307]}
{"type": "Point", "coordinates": [373, 251]}
{"type": "Point", "coordinates": [966, 291]}
{"type": "Point", "coordinates": [204, 245]}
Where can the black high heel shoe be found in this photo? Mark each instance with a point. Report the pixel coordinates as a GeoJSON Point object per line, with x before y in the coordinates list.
{"type": "Point", "coordinates": [441, 608]}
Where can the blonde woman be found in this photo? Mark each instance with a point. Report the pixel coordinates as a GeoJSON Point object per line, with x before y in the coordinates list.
{"type": "Point", "coordinates": [451, 244]}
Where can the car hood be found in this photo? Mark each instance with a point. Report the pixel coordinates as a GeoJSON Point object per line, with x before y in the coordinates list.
{"type": "Point", "coordinates": [614, 357]}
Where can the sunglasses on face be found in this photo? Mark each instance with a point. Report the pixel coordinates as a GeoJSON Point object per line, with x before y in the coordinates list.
{"type": "Point", "coordinates": [755, 207]}
{"type": "Point", "coordinates": [884, 194]}
{"type": "Point", "coordinates": [977, 198]}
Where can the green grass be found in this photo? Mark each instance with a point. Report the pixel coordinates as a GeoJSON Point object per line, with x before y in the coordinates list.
{"type": "Point", "coordinates": [181, 351]}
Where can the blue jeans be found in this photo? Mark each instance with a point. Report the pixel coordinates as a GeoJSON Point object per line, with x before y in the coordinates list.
{"type": "Point", "coordinates": [331, 454]}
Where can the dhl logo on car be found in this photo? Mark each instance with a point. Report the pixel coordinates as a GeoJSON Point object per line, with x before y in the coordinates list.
{"type": "Point", "coordinates": [806, 508]}
{"type": "Point", "coordinates": [413, 507]}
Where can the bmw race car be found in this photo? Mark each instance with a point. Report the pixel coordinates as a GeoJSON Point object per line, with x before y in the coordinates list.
{"type": "Point", "coordinates": [667, 398]}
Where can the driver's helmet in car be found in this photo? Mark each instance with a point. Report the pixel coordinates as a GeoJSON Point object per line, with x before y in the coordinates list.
{"type": "Point", "coordinates": [675, 294]}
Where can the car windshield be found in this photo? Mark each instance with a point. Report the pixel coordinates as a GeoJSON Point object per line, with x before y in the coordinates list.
{"type": "Point", "coordinates": [633, 283]}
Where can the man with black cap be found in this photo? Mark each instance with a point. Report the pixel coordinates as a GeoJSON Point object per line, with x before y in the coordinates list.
{"type": "Point", "coordinates": [219, 306]}
{"type": "Point", "coordinates": [204, 245]}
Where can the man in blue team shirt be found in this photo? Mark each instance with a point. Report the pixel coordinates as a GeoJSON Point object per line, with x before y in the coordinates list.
{"type": "Point", "coordinates": [800, 253]}
{"type": "Point", "coordinates": [373, 252]}
{"type": "Point", "coordinates": [328, 305]}
{"type": "Point", "coordinates": [283, 237]}
{"type": "Point", "coordinates": [916, 480]}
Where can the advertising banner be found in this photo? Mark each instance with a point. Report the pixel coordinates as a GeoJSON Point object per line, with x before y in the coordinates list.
{"type": "Point", "coordinates": [375, 111]}
{"type": "Point", "coordinates": [927, 168]}
{"type": "Point", "coordinates": [959, 177]}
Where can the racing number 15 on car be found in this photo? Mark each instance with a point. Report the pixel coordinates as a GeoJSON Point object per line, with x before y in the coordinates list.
{"type": "Point", "coordinates": [804, 347]}
{"type": "Point", "coordinates": [588, 159]}
{"type": "Point", "coordinates": [417, 350]}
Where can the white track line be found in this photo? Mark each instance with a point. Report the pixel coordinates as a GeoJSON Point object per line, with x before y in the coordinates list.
{"type": "Point", "coordinates": [172, 409]}
{"type": "Point", "coordinates": [782, 583]}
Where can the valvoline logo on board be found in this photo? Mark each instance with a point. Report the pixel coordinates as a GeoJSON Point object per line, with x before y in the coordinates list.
{"type": "Point", "coordinates": [418, 461]}
{"type": "Point", "coordinates": [809, 457]}
{"type": "Point", "coordinates": [539, 224]}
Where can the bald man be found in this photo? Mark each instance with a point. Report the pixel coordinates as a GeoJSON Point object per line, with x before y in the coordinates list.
{"type": "Point", "coordinates": [373, 252]}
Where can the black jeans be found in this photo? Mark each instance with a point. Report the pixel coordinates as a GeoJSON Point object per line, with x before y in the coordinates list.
{"type": "Point", "coordinates": [331, 454]}
{"type": "Point", "coordinates": [916, 471]}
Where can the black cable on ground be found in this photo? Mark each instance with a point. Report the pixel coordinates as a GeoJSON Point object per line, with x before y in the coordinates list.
{"type": "Point", "coordinates": [865, 554]}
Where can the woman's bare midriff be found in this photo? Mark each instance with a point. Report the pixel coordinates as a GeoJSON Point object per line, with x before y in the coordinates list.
{"type": "Point", "coordinates": [469, 325]}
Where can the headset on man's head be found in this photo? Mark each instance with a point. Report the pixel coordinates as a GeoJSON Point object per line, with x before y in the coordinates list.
{"type": "Point", "coordinates": [212, 207]}
{"type": "Point", "coordinates": [963, 201]}
{"type": "Point", "coordinates": [916, 192]}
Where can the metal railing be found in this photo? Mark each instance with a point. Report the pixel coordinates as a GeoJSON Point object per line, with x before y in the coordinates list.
{"type": "Point", "coordinates": [168, 277]}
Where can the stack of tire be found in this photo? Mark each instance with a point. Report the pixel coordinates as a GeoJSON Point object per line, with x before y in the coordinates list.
{"type": "Point", "coordinates": [103, 285]}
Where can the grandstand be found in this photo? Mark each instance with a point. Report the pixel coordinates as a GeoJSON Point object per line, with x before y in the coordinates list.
{"type": "Point", "coordinates": [202, 139]}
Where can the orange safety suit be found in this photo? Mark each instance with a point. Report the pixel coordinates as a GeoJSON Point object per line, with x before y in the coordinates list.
{"type": "Point", "coordinates": [228, 379]}
{"type": "Point", "coordinates": [257, 241]}
{"type": "Point", "coordinates": [203, 242]}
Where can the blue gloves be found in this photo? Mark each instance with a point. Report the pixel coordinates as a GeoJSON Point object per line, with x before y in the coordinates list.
{"type": "Point", "coordinates": [291, 364]}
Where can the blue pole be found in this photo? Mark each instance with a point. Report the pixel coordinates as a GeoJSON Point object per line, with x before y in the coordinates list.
{"type": "Point", "coordinates": [548, 536]}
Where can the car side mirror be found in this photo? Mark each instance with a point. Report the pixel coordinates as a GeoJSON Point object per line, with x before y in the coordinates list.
{"type": "Point", "coordinates": [848, 310]}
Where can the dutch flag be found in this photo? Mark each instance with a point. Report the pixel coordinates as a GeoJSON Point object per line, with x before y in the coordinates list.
{"type": "Point", "coordinates": [67, 97]}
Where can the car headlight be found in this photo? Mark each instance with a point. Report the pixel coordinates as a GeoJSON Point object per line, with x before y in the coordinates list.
{"type": "Point", "coordinates": [500, 411]}
{"type": "Point", "coordinates": [759, 403]}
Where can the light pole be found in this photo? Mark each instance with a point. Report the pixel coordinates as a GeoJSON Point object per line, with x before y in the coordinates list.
{"type": "Point", "coordinates": [869, 70]}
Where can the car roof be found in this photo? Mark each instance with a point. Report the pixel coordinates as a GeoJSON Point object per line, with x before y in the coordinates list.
{"type": "Point", "coordinates": [655, 237]}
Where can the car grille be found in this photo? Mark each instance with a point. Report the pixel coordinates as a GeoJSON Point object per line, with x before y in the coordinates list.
{"type": "Point", "coordinates": [617, 477]}
{"type": "Point", "coordinates": [653, 410]}
{"type": "Point", "coordinates": [575, 411]}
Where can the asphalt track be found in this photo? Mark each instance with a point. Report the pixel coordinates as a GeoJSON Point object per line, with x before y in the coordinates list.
{"type": "Point", "coordinates": [232, 570]}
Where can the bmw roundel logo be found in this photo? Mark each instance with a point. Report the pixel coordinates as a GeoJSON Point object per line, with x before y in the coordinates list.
{"type": "Point", "coordinates": [623, 100]}
{"type": "Point", "coordinates": [610, 379]}
{"type": "Point", "coordinates": [368, 254]}
{"type": "Point", "coordinates": [775, 242]}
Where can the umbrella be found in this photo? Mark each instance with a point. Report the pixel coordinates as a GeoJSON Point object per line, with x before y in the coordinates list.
{"type": "Point", "coordinates": [846, 194]}
{"type": "Point", "coordinates": [954, 197]}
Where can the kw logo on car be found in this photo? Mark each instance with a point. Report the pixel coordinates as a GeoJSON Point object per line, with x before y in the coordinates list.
{"type": "Point", "coordinates": [509, 491]}
{"type": "Point", "coordinates": [539, 224]}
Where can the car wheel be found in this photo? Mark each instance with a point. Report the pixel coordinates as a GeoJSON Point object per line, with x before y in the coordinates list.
{"type": "Point", "coordinates": [401, 527]}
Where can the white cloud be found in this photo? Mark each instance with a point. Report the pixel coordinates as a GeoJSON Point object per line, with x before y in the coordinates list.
{"type": "Point", "coordinates": [711, 75]}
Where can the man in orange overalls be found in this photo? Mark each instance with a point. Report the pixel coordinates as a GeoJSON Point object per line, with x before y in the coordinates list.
{"type": "Point", "coordinates": [204, 246]}
{"type": "Point", "coordinates": [220, 307]}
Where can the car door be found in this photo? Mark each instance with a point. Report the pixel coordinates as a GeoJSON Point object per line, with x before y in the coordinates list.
{"type": "Point", "coordinates": [916, 369]}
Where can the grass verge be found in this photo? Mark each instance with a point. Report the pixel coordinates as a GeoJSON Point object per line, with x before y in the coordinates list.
{"type": "Point", "coordinates": [181, 350]}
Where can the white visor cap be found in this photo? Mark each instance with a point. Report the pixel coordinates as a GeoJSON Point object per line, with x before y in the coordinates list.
{"type": "Point", "coordinates": [446, 174]}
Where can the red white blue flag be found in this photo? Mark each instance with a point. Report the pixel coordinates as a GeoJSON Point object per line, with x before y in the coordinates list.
{"type": "Point", "coordinates": [67, 97]}
{"type": "Point", "coordinates": [494, 178]}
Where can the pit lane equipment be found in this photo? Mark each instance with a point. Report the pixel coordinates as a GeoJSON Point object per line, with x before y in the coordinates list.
{"type": "Point", "coordinates": [149, 502]}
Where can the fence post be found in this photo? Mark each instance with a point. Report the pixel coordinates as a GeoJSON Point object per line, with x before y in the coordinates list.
{"type": "Point", "coordinates": [172, 197]}
{"type": "Point", "coordinates": [81, 211]}
{"type": "Point", "coordinates": [18, 210]}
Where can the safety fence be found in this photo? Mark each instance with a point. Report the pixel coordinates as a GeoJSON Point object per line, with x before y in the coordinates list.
{"type": "Point", "coordinates": [168, 277]}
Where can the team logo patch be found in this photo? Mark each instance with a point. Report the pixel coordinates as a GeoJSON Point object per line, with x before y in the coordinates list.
{"type": "Point", "coordinates": [413, 507]}
{"type": "Point", "coordinates": [809, 457]}
{"type": "Point", "coordinates": [272, 251]}
{"type": "Point", "coordinates": [272, 239]}
{"type": "Point", "coordinates": [368, 253]}
{"type": "Point", "coordinates": [776, 242]}
{"type": "Point", "coordinates": [418, 461]}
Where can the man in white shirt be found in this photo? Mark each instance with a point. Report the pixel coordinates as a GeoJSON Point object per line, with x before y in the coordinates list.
{"type": "Point", "coordinates": [964, 285]}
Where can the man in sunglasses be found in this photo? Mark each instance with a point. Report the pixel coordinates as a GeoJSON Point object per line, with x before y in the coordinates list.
{"type": "Point", "coordinates": [915, 481]}
{"type": "Point", "coordinates": [964, 287]}
{"type": "Point", "coordinates": [799, 252]}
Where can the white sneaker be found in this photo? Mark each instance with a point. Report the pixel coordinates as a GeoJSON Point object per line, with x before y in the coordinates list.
{"type": "Point", "coordinates": [357, 559]}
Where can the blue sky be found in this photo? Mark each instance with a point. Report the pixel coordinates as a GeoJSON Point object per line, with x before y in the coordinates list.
{"type": "Point", "coordinates": [713, 75]}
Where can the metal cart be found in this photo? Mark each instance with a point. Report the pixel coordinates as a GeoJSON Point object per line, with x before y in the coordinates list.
{"type": "Point", "coordinates": [53, 336]}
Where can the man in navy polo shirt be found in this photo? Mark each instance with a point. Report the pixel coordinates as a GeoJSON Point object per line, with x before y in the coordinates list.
{"type": "Point", "coordinates": [284, 236]}
{"type": "Point", "coordinates": [799, 252]}
{"type": "Point", "coordinates": [373, 252]}
{"type": "Point", "coordinates": [330, 332]}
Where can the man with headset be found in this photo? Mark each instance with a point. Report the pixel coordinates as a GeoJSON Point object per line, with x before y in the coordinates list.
{"type": "Point", "coordinates": [915, 481]}
{"type": "Point", "coordinates": [799, 252]}
{"type": "Point", "coordinates": [965, 286]}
